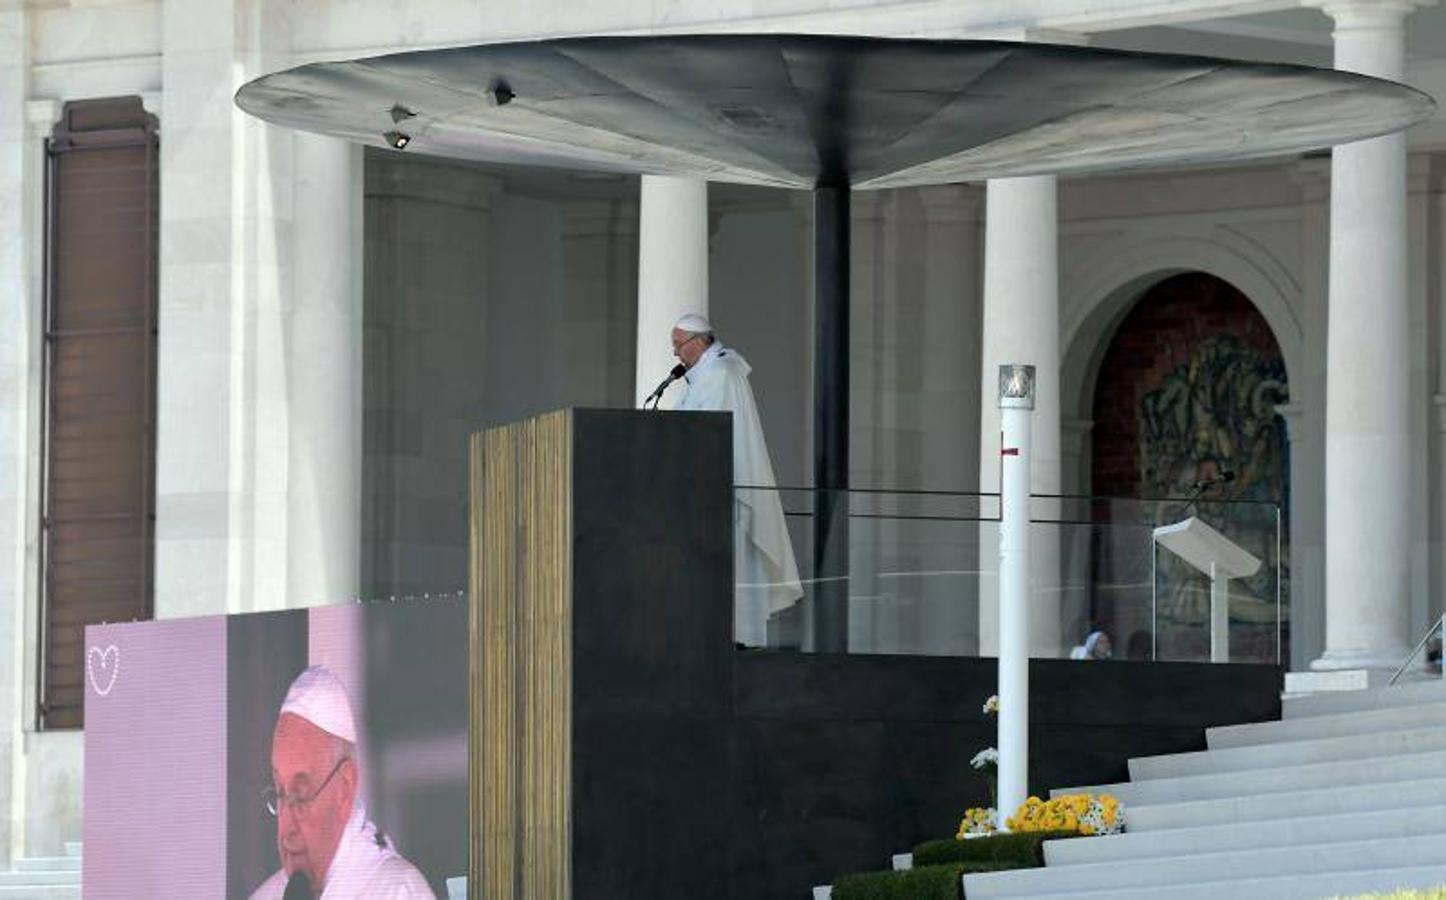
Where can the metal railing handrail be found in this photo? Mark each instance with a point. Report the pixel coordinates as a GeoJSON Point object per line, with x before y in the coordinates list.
{"type": "Point", "coordinates": [1436, 625]}
{"type": "Point", "coordinates": [922, 492]}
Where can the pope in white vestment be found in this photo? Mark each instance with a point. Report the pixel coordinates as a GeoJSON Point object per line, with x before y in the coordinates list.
{"type": "Point", "coordinates": [323, 836]}
{"type": "Point", "coordinates": [764, 567]}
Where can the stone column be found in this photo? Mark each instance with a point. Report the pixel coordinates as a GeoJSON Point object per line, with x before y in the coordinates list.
{"type": "Point", "coordinates": [324, 374]}
{"type": "Point", "coordinates": [1305, 620]}
{"type": "Point", "coordinates": [1305, 423]}
{"type": "Point", "coordinates": [1368, 419]}
{"type": "Point", "coordinates": [672, 270]}
{"type": "Point", "coordinates": [19, 336]}
{"type": "Point", "coordinates": [1438, 474]}
{"type": "Point", "coordinates": [1075, 456]}
{"type": "Point", "coordinates": [435, 366]}
{"type": "Point", "coordinates": [598, 326]}
{"type": "Point", "coordinates": [225, 279]}
{"type": "Point", "coordinates": [1021, 325]}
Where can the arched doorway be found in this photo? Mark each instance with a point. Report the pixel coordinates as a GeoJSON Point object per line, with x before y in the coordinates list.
{"type": "Point", "coordinates": [1187, 391]}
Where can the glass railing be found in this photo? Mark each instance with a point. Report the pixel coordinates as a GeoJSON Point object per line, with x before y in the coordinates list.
{"type": "Point", "coordinates": [1111, 578]}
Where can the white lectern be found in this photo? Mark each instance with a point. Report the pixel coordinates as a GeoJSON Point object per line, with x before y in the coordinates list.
{"type": "Point", "coordinates": [1218, 557]}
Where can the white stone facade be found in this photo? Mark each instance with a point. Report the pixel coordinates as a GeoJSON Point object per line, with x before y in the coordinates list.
{"type": "Point", "coordinates": [290, 474]}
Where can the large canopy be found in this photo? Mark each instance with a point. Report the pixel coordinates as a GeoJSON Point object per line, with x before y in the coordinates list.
{"type": "Point", "coordinates": [807, 110]}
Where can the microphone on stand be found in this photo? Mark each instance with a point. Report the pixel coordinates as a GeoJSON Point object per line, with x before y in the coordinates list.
{"type": "Point", "coordinates": [1225, 477]}
{"type": "Point", "coordinates": [656, 396]}
{"type": "Point", "coordinates": [298, 887]}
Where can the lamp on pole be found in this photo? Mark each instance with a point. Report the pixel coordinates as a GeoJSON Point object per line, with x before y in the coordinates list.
{"type": "Point", "coordinates": [1016, 406]}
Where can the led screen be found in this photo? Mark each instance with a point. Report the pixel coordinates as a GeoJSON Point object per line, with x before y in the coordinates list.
{"type": "Point", "coordinates": [318, 752]}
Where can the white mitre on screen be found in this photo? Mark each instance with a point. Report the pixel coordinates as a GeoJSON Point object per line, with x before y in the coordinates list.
{"type": "Point", "coordinates": [318, 696]}
{"type": "Point", "coordinates": [693, 324]}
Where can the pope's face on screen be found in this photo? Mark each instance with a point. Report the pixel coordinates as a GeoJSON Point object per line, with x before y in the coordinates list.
{"type": "Point", "coordinates": [315, 773]}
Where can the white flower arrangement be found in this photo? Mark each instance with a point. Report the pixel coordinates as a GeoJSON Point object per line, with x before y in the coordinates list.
{"type": "Point", "coordinates": [1106, 815]}
{"type": "Point", "coordinates": [991, 706]}
{"type": "Point", "coordinates": [985, 760]}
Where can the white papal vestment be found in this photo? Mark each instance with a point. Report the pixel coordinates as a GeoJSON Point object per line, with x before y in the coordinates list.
{"type": "Point", "coordinates": [364, 868]}
{"type": "Point", "coordinates": [766, 572]}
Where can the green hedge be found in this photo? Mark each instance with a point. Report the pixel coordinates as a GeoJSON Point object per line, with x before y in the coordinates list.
{"type": "Point", "coordinates": [924, 883]}
{"type": "Point", "coordinates": [1019, 851]}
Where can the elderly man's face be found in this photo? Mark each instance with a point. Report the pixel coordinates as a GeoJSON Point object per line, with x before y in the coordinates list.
{"type": "Point", "coordinates": [308, 832]}
{"type": "Point", "coordinates": [688, 347]}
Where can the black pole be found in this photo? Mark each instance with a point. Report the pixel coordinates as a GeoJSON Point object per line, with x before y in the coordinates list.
{"type": "Point", "coordinates": [831, 417]}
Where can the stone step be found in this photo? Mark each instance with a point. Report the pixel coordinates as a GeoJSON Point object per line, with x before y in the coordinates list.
{"type": "Point", "coordinates": [1140, 845]}
{"type": "Point", "coordinates": [1330, 703]}
{"type": "Point", "coordinates": [1402, 718]}
{"type": "Point", "coordinates": [1291, 753]}
{"type": "Point", "coordinates": [1162, 872]}
{"type": "Point", "coordinates": [1368, 770]}
{"type": "Point", "coordinates": [38, 879]}
{"type": "Point", "coordinates": [1321, 801]}
{"type": "Point", "coordinates": [1281, 887]}
{"type": "Point", "coordinates": [40, 893]}
{"type": "Point", "coordinates": [48, 864]}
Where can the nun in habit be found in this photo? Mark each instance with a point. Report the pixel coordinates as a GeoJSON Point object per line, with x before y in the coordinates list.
{"type": "Point", "coordinates": [766, 575]}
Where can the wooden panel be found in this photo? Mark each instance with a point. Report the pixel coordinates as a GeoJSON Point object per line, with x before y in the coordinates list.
{"type": "Point", "coordinates": [521, 635]}
{"type": "Point", "coordinates": [100, 369]}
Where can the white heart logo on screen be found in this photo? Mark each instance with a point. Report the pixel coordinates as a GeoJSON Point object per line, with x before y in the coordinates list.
{"type": "Point", "coordinates": [103, 666]}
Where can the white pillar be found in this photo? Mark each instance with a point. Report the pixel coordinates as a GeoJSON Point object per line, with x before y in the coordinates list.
{"type": "Point", "coordinates": [1015, 404]}
{"type": "Point", "coordinates": [19, 328]}
{"type": "Point", "coordinates": [1368, 425]}
{"type": "Point", "coordinates": [323, 374]}
{"type": "Point", "coordinates": [1021, 321]}
{"type": "Point", "coordinates": [672, 270]}
{"type": "Point", "coordinates": [225, 278]}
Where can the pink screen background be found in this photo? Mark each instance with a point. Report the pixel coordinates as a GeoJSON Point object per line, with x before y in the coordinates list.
{"type": "Point", "coordinates": [155, 760]}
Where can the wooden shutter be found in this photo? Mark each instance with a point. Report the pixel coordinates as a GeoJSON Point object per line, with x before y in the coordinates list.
{"type": "Point", "coordinates": [100, 373]}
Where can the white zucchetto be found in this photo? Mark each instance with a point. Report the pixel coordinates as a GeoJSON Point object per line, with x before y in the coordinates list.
{"type": "Point", "coordinates": [693, 324]}
{"type": "Point", "coordinates": [319, 697]}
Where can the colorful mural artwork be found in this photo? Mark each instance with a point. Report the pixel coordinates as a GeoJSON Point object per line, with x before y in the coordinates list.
{"type": "Point", "coordinates": [1215, 414]}
{"type": "Point", "coordinates": [1187, 393]}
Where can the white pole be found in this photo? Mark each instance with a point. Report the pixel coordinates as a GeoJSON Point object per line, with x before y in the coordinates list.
{"type": "Point", "coordinates": [1016, 406]}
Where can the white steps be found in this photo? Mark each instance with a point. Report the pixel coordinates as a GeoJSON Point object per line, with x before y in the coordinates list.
{"type": "Point", "coordinates": [48, 864]}
{"type": "Point", "coordinates": [1279, 887]}
{"type": "Point", "coordinates": [44, 877]}
{"type": "Point", "coordinates": [1282, 779]}
{"type": "Point", "coordinates": [1290, 753]}
{"type": "Point", "coordinates": [1164, 871]}
{"type": "Point", "coordinates": [1336, 702]}
{"type": "Point", "coordinates": [1347, 794]}
{"type": "Point", "coordinates": [1268, 833]}
{"type": "Point", "coordinates": [1317, 802]}
{"type": "Point", "coordinates": [1306, 728]}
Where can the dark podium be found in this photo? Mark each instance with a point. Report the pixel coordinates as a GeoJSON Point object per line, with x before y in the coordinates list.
{"type": "Point", "coordinates": [621, 749]}
{"type": "Point", "coordinates": [601, 647]}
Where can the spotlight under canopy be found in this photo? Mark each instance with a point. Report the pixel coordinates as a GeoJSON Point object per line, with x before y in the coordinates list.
{"type": "Point", "coordinates": [801, 111]}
